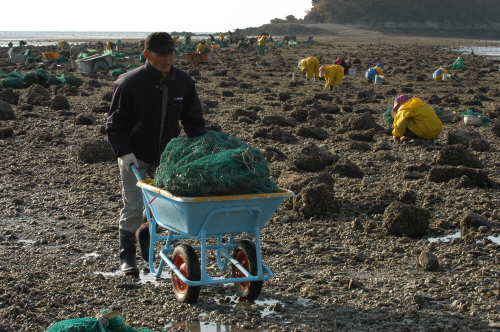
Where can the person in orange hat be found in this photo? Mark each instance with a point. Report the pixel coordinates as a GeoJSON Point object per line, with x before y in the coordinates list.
{"type": "Point", "coordinates": [333, 74]}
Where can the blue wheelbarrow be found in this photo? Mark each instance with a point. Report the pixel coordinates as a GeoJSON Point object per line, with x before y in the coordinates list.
{"type": "Point", "coordinates": [208, 220]}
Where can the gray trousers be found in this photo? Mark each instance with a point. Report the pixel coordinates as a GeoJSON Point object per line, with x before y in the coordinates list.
{"type": "Point", "coordinates": [131, 216]}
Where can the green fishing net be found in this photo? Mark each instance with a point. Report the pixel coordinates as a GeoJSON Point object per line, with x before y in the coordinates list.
{"type": "Point", "coordinates": [214, 164]}
{"type": "Point", "coordinates": [12, 82]}
{"type": "Point", "coordinates": [387, 115]}
{"type": "Point", "coordinates": [114, 323]}
{"type": "Point", "coordinates": [486, 120]}
{"type": "Point", "coordinates": [71, 80]}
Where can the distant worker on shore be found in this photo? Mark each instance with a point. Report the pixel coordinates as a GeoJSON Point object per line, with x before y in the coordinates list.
{"type": "Point", "coordinates": [221, 36]}
{"type": "Point", "coordinates": [439, 73]}
{"type": "Point", "coordinates": [343, 64]}
{"type": "Point", "coordinates": [118, 45]}
{"type": "Point", "coordinates": [310, 66]}
{"type": "Point", "coordinates": [310, 38]}
{"type": "Point", "coordinates": [377, 70]}
{"type": "Point", "coordinates": [203, 47]}
{"type": "Point", "coordinates": [261, 44]}
{"type": "Point", "coordinates": [187, 39]}
{"type": "Point", "coordinates": [62, 44]}
{"type": "Point", "coordinates": [414, 120]}
{"type": "Point", "coordinates": [333, 74]}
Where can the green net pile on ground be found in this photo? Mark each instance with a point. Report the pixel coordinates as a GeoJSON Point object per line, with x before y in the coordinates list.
{"type": "Point", "coordinates": [215, 164]}
{"type": "Point", "coordinates": [110, 322]}
{"type": "Point", "coordinates": [486, 121]}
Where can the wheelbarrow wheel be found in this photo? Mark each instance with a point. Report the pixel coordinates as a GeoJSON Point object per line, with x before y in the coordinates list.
{"type": "Point", "coordinates": [245, 254]}
{"type": "Point", "coordinates": [185, 259]}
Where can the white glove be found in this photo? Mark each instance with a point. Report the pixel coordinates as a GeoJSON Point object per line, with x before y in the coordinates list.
{"type": "Point", "coordinates": [128, 160]}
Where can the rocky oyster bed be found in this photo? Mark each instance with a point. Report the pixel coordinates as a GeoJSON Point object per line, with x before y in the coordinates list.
{"type": "Point", "coordinates": [352, 251]}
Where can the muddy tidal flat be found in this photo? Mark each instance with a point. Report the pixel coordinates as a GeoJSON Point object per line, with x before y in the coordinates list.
{"type": "Point", "coordinates": [380, 236]}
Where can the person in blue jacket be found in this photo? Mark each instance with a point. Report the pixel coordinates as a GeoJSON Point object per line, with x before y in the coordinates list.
{"type": "Point", "coordinates": [438, 74]}
{"type": "Point", "coordinates": [377, 70]}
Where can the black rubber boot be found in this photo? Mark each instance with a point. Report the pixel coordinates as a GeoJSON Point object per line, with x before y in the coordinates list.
{"type": "Point", "coordinates": [144, 238]}
{"type": "Point", "coordinates": [128, 261]}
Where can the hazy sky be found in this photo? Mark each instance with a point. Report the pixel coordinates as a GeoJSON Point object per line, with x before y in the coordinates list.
{"type": "Point", "coordinates": [143, 15]}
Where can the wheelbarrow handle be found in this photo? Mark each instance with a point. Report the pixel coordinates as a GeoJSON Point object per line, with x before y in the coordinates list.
{"type": "Point", "coordinates": [136, 172]}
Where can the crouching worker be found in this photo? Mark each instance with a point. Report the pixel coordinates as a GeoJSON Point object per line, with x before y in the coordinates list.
{"type": "Point", "coordinates": [439, 73]}
{"type": "Point", "coordinates": [203, 47]}
{"type": "Point", "coordinates": [341, 62]}
{"type": "Point", "coordinates": [414, 120]}
{"type": "Point", "coordinates": [377, 70]}
{"type": "Point", "coordinates": [310, 66]}
{"type": "Point", "coordinates": [333, 75]}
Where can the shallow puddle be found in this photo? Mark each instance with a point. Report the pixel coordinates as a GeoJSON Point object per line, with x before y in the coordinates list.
{"type": "Point", "coordinates": [264, 306]}
{"type": "Point", "coordinates": [448, 238]}
{"type": "Point", "coordinates": [206, 327]}
{"type": "Point", "coordinates": [143, 277]}
{"type": "Point", "coordinates": [26, 241]}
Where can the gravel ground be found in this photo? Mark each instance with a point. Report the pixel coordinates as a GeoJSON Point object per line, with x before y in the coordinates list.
{"type": "Point", "coordinates": [350, 252]}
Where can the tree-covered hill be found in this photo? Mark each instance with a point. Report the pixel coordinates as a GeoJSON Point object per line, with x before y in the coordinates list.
{"type": "Point", "coordinates": [376, 12]}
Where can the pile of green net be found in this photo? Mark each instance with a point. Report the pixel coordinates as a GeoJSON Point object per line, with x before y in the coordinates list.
{"type": "Point", "coordinates": [486, 120]}
{"type": "Point", "coordinates": [215, 164]}
{"type": "Point", "coordinates": [113, 323]}
{"type": "Point", "coordinates": [18, 80]}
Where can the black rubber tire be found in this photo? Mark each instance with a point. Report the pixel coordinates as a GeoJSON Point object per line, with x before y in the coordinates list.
{"type": "Point", "coordinates": [245, 253]}
{"type": "Point", "coordinates": [185, 259]}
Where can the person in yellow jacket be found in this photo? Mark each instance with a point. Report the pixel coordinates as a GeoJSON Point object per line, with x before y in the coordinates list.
{"type": "Point", "coordinates": [203, 47]}
{"type": "Point", "coordinates": [333, 74]}
{"type": "Point", "coordinates": [310, 66]}
{"type": "Point", "coordinates": [109, 45]}
{"type": "Point", "coordinates": [221, 36]}
{"type": "Point", "coordinates": [261, 43]}
{"type": "Point", "coordinates": [62, 44]}
{"type": "Point", "coordinates": [413, 120]}
{"type": "Point", "coordinates": [439, 73]}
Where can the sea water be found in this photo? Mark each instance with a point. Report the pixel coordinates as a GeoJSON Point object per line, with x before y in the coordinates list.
{"type": "Point", "coordinates": [48, 38]}
{"type": "Point", "coordinates": [490, 51]}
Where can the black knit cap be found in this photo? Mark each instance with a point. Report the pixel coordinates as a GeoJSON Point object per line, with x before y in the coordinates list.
{"type": "Point", "coordinates": [159, 42]}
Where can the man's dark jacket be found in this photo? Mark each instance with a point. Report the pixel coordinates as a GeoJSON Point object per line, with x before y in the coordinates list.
{"type": "Point", "coordinates": [134, 120]}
